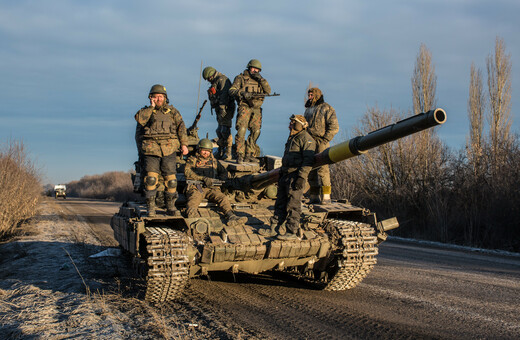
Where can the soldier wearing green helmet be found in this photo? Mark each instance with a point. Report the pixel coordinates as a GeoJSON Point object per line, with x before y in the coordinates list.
{"type": "Point", "coordinates": [204, 168]}
{"type": "Point", "coordinates": [249, 112]}
{"type": "Point", "coordinates": [224, 106]}
{"type": "Point", "coordinates": [161, 134]}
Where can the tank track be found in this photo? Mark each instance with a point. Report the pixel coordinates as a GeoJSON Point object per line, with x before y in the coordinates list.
{"type": "Point", "coordinates": [355, 256]}
{"type": "Point", "coordinates": [167, 264]}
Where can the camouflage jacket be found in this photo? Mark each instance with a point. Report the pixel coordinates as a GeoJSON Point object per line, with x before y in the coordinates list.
{"type": "Point", "coordinates": [221, 96]}
{"type": "Point", "coordinates": [299, 154]}
{"type": "Point", "coordinates": [323, 124]}
{"type": "Point", "coordinates": [244, 83]}
{"type": "Point", "coordinates": [198, 167]}
{"type": "Point", "coordinates": [163, 130]}
{"type": "Point", "coordinates": [221, 100]}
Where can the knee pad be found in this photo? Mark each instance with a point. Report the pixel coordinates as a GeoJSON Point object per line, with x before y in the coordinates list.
{"type": "Point", "coordinates": [241, 131]}
{"type": "Point", "coordinates": [151, 180]}
{"type": "Point", "coordinates": [171, 183]}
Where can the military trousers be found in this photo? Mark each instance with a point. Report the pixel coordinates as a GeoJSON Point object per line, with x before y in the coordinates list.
{"type": "Point", "coordinates": [195, 196]}
{"type": "Point", "coordinates": [164, 166]}
{"type": "Point", "coordinates": [225, 140]}
{"type": "Point", "coordinates": [288, 205]}
{"type": "Point", "coordinates": [321, 176]}
{"type": "Point", "coordinates": [248, 119]}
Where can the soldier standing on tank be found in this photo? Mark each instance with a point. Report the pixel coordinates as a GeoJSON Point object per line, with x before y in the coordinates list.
{"type": "Point", "coordinates": [164, 134]}
{"type": "Point", "coordinates": [297, 162]}
{"type": "Point", "coordinates": [224, 106]}
{"type": "Point", "coordinates": [323, 125]}
{"type": "Point", "coordinates": [203, 167]}
{"type": "Point", "coordinates": [249, 112]}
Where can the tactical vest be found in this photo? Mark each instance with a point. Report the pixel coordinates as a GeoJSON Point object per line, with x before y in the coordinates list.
{"type": "Point", "coordinates": [205, 167]}
{"type": "Point", "coordinates": [252, 86]}
{"type": "Point", "coordinates": [161, 125]}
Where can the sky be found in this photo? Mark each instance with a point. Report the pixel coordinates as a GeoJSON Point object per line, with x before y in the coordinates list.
{"type": "Point", "coordinates": [74, 73]}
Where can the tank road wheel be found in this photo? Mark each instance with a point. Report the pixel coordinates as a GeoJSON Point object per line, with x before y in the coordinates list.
{"type": "Point", "coordinates": [167, 264]}
{"type": "Point", "coordinates": [354, 256]}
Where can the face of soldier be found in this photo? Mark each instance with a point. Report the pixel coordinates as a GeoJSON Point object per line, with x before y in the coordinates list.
{"type": "Point", "coordinates": [157, 99]}
{"type": "Point", "coordinates": [310, 95]}
{"type": "Point", "coordinates": [253, 70]}
{"type": "Point", "coordinates": [205, 153]}
{"type": "Point", "coordinates": [291, 127]}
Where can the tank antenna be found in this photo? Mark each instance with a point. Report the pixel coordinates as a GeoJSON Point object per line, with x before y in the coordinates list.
{"type": "Point", "coordinates": [198, 94]}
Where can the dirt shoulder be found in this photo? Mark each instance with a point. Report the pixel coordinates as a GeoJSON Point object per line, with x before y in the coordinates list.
{"type": "Point", "coordinates": [51, 288]}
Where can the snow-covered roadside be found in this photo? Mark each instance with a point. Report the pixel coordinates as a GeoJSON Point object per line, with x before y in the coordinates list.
{"type": "Point", "coordinates": [50, 288]}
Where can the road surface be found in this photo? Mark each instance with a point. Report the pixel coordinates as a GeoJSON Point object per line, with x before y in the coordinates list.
{"type": "Point", "coordinates": [414, 292]}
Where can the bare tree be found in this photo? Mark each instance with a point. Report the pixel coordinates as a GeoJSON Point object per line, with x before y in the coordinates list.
{"type": "Point", "coordinates": [476, 107]}
{"type": "Point", "coordinates": [424, 82]}
{"type": "Point", "coordinates": [499, 84]}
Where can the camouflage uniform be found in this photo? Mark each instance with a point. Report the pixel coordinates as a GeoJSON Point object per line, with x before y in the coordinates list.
{"type": "Point", "coordinates": [296, 163]}
{"type": "Point", "coordinates": [199, 168]}
{"type": "Point", "coordinates": [248, 116]}
{"type": "Point", "coordinates": [163, 132]}
{"type": "Point", "coordinates": [323, 125]}
{"type": "Point", "coordinates": [224, 107]}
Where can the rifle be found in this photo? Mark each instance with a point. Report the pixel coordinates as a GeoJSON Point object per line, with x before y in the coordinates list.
{"type": "Point", "coordinates": [193, 126]}
{"type": "Point", "coordinates": [260, 95]}
{"type": "Point", "coordinates": [199, 184]}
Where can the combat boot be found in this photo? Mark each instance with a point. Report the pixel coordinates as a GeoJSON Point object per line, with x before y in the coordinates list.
{"type": "Point", "coordinates": [227, 155]}
{"type": "Point", "coordinates": [288, 236]}
{"type": "Point", "coordinates": [170, 199]}
{"type": "Point", "coordinates": [234, 220]}
{"type": "Point", "coordinates": [325, 198]}
{"type": "Point", "coordinates": [314, 195]}
{"type": "Point", "coordinates": [249, 158]}
{"type": "Point", "coordinates": [240, 158]}
{"type": "Point", "coordinates": [270, 232]}
{"type": "Point", "coordinates": [150, 206]}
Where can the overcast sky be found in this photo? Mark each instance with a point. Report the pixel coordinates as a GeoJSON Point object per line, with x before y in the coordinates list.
{"type": "Point", "coordinates": [73, 73]}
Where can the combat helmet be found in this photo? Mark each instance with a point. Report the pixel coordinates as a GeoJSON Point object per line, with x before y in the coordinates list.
{"type": "Point", "coordinates": [158, 88]}
{"type": "Point", "coordinates": [208, 72]}
{"type": "Point", "coordinates": [254, 63]}
{"type": "Point", "coordinates": [205, 144]}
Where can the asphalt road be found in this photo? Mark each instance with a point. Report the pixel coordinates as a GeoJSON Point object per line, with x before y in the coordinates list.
{"type": "Point", "coordinates": [414, 292]}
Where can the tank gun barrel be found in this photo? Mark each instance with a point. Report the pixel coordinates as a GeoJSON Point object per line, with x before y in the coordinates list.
{"type": "Point", "coordinates": [361, 144]}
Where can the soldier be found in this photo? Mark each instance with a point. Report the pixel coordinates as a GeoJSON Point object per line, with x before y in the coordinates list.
{"type": "Point", "coordinates": [249, 112]}
{"type": "Point", "coordinates": [323, 125]}
{"type": "Point", "coordinates": [164, 133]}
{"type": "Point", "coordinates": [224, 106]}
{"type": "Point", "coordinates": [296, 164]}
{"type": "Point", "coordinates": [204, 167]}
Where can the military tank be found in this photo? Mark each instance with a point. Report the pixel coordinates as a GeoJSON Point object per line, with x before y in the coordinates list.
{"type": "Point", "coordinates": [338, 248]}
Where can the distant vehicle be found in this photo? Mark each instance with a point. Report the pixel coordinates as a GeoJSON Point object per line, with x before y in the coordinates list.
{"type": "Point", "coordinates": [60, 191]}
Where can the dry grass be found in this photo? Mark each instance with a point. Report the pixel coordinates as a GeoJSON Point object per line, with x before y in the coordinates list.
{"type": "Point", "coordinates": [436, 194]}
{"type": "Point", "coordinates": [20, 187]}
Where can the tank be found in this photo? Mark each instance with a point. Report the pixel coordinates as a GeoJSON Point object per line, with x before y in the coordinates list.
{"type": "Point", "coordinates": [337, 251]}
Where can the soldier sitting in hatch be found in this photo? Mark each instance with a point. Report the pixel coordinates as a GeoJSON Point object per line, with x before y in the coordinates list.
{"type": "Point", "coordinates": [204, 168]}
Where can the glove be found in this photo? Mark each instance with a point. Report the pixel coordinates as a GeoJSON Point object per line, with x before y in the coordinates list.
{"type": "Point", "coordinates": [208, 182]}
{"type": "Point", "coordinates": [211, 91]}
{"type": "Point", "coordinates": [299, 183]}
{"type": "Point", "coordinates": [247, 95]}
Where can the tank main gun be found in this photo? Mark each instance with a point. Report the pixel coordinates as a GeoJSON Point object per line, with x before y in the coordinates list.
{"type": "Point", "coordinates": [358, 145]}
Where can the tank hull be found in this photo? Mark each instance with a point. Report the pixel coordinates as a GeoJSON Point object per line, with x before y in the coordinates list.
{"type": "Point", "coordinates": [337, 250]}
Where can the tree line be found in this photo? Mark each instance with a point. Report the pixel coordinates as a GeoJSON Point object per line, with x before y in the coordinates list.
{"type": "Point", "coordinates": [468, 196]}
